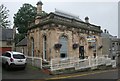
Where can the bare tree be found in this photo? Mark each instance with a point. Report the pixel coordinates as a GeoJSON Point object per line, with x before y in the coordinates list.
{"type": "Point", "coordinates": [4, 22]}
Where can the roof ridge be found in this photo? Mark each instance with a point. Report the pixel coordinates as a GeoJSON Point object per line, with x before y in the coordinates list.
{"type": "Point", "coordinates": [23, 42]}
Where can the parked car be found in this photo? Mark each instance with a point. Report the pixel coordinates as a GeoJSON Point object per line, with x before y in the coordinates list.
{"type": "Point", "coordinates": [12, 59]}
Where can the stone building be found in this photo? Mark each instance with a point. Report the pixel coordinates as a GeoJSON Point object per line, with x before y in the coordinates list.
{"type": "Point", "coordinates": [62, 35]}
{"type": "Point", "coordinates": [22, 46]}
{"type": "Point", "coordinates": [6, 40]}
{"type": "Point", "coordinates": [111, 45]}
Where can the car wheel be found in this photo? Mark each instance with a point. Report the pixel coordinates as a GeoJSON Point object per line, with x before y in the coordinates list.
{"type": "Point", "coordinates": [6, 66]}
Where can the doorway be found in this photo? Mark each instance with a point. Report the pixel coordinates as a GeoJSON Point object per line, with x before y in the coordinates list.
{"type": "Point", "coordinates": [81, 52]}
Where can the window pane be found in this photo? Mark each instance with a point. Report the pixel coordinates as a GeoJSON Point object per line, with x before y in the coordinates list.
{"type": "Point", "coordinates": [8, 54]}
{"type": "Point", "coordinates": [18, 56]}
{"type": "Point", "coordinates": [63, 49]}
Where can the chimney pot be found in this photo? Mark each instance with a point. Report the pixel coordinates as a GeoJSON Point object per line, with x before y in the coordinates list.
{"type": "Point", "coordinates": [40, 2]}
{"type": "Point", "coordinates": [86, 19]}
{"type": "Point", "coordinates": [105, 30]}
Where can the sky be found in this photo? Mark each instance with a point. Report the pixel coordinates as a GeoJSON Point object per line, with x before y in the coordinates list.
{"type": "Point", "coordinates": [102, 13]}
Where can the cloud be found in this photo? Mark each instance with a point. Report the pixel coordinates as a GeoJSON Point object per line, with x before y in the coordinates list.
{"type": "Point", "coordinates": [104, 14]}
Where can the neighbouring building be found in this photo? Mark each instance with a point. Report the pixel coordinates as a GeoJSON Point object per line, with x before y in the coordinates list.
{"type": "Point", "coordinates": [111, 45]}
{"type": "Point", "coordinates": [22, 46]}
{"type": "Point", "coordinates": [62, 35]}
{"type": "Point", "coordinates": [6, 40]}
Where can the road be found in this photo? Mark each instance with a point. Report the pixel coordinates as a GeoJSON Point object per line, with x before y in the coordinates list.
{"type": "Point", "coordinates": [110, 74]}
{"type": "Point", "coordinates": [34, 74]}
{"type": "Point", "coordinates": [0, 70]}
{"type": "Point", "coordinates": [29, 73]}
{"type": "Point", "coordinates": [105, 74]}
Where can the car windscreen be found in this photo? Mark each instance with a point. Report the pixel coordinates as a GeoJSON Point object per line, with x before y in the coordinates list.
{"type": "Point", "coordinates": [18, 56]}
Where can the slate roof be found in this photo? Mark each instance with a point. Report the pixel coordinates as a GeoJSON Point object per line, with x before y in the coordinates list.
{"type": "Point", "coordinates": [67, 15]}
{"type": "Point", "coordinates": [6, 34]}
{"type": "Point", "coordinates": [23, 42]}
{"type": "Point", "coordinates": [109, 36]}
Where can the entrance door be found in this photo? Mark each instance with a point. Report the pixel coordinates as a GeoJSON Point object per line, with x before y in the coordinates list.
{"type": "Point", "coordinates": [81, 52]}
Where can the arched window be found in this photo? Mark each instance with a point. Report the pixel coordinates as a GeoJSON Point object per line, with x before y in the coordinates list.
{"type": "Point", "coordinates": [64, 48]}
{"type": "Point", "coordinates": [32, 47]}
{"type": "Point", "coordinates": [44, 47]}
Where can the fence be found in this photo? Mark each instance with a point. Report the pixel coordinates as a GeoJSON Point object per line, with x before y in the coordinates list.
{"type": "Point", "coordinates": [34, 61]}
{"type": "Point", "coordinates": [57, 64]}
{"type": "Point", "coordinates": [81, 64]}
{"type": "Point", "coordinates": [72, 62]}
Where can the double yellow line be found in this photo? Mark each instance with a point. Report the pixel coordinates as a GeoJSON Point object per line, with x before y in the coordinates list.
{"type": "Point", "coordinates": [78, 75]}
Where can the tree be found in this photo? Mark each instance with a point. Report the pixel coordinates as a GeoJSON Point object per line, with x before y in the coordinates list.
{"type": "Point", "coordinates": [4, 22]}
{"type": "Point", "coordinates": [18, 37]}
{"type": "Point", "coordinates": [25, 14]}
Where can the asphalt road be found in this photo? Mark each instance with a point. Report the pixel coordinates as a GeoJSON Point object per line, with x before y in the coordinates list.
{"type": "Point", "coordinates": [101, 75]}
{"type": "Point", "coordinates": [29, 73]}
{"type": "Point", "coordinates": [35, 74]}
{"type": "Point", "coordinates": [0, 71]}
{"type": "Point", "coordinates": [110, 74]}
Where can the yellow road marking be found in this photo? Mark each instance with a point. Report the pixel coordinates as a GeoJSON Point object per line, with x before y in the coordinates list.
{"type": "Point", "coordinates": [77, 75]}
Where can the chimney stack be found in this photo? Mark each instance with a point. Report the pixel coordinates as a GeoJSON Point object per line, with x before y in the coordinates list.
{"type": "Point", "coordinates": [39, 11]}
{"type": "Point", "coordinates": [39, 7]}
